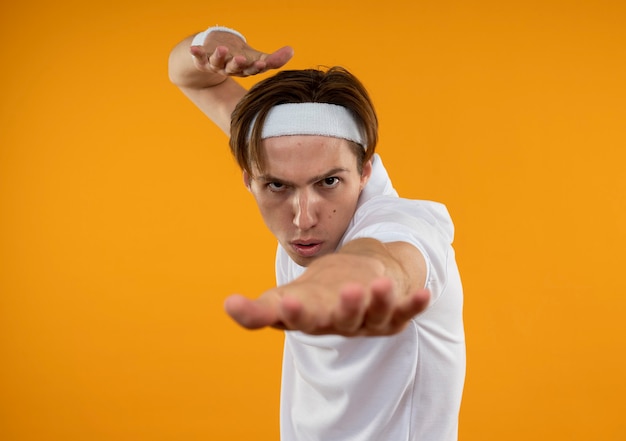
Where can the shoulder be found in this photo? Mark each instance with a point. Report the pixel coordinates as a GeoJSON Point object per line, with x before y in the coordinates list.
{"type": "Point", "coordinates": [379, 204]}
{"type": "Point", "coordinates": [381, 214]}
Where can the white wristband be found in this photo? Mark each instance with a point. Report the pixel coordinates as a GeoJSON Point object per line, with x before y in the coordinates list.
{"type": "Point", "coordinates": [199, 39]}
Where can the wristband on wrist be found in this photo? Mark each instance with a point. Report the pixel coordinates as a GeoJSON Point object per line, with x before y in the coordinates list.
{"type": "Point", "coordinates": [199, 39]}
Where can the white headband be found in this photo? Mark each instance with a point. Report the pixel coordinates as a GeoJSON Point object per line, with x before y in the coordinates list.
{"type": "Point", "coordinates": [320, 119]}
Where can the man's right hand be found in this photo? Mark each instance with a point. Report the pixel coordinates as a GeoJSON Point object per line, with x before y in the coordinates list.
{"type": "Point", "coordinates": [227, 54]}
{"type": "Point", "coordinates": [204, 73]}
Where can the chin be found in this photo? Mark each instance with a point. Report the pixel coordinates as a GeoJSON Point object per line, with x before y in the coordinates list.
{"type": "Point", "coordinates": [303, 261]}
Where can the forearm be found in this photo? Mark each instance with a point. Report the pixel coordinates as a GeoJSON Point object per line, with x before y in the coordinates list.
{"type": "Point", "coordinates": [379, 261]}
{"type": "Point", "coordinates": [183, 71]}
{"type": "Point", "coordinates": [204, 72]}
{"type": "Point", "coordinates": [216, 95]}
{"type": "Point", "coordinates": [366, 288]}
{"type": "Point", "coordinates": [363, 260]}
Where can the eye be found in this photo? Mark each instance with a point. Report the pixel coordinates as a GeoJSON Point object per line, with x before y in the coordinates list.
{"type": "Point", "coordinates": [330, 182]}
{"type": "Point", "coordinates": [275, 186]}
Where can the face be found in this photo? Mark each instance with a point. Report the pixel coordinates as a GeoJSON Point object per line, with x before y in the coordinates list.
{"type": "Point", "coordinates": [308, 192]}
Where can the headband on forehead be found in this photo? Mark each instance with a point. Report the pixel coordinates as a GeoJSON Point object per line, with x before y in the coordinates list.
{"type": "Point", "coordinates": [320, 119]}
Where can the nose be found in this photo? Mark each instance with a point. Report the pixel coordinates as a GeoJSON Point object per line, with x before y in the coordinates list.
{"type": "Point", "coordinates": [305, 210]}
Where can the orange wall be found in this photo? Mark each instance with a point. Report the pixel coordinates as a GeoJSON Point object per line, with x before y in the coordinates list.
{"type": "Point", "coordinates": [123, 222]}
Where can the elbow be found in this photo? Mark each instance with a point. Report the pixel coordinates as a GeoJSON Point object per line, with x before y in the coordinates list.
{"type": "Point", "coordinates": [173, 73]}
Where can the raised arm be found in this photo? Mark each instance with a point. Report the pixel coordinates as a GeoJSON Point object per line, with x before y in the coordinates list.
{"type": "Point", "coordinates": [204, 72]}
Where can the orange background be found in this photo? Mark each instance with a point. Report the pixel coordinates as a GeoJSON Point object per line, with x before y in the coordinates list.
{"type": "Point", "coordinates": [124, 223]}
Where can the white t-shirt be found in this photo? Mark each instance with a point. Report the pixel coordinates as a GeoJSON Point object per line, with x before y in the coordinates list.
{"type": "Point", "coordinates": [406, 387]}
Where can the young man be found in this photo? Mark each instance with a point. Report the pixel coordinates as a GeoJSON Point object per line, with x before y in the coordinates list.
{"type": "Point", "coordinates": [354, 260]}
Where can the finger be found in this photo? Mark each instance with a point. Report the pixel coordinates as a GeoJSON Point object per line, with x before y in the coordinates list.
{"type": "Point", "coordinates": [255, 68]}
{"type": "Point", "coordinates": [381, 304]}
{"type": "Point", "coordinates": [251, 314]}
{"type": "Point", "coordinates": [278, 58]}
{"type": "Point", "coordinates": [236, 65]}
{"type": "Point", "coordinates": [200, 56]}
{"type": "Point", "coordinates": [197, 51]}
{"type": "Point", "coordinates": [213, 62]}
{"type": "Point", "coordinates": [219, 59]}
{"type": "Point", "coordinates": [410, 306]}
{"type": "Point", "coordinates": [352, 304]}
{"type": "Point", "coordinates": [294, 315]}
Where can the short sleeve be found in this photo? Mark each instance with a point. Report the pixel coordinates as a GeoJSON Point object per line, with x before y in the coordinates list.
{"type": "Point", "coordinates": [424, 224]}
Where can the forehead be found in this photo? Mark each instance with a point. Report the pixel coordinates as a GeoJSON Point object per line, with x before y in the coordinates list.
{"type": "Point", "coordinates": [306, 155]}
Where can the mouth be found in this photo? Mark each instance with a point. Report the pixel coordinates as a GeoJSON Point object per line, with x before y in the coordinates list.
{"type": "Point", "coordinates": [307, 248]}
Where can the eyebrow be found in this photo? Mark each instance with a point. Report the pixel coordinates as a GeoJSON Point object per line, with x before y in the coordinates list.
{"type": "Point", "coordinates": [314, 179]}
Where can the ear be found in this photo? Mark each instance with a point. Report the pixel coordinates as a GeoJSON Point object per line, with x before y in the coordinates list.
{"type": "Point", "coordinates": [246, 180]}
{"type": "Point", "coordinates": [367, 172]}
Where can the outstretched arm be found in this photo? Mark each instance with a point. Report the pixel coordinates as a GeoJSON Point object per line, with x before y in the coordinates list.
{"type": "Point", "coordinates": [204, 72]}
{"type": "Point", "coordinates": [366, 288]}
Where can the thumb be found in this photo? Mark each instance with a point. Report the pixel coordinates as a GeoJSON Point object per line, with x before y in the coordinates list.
{"type": "Point", "coordinates": [251, 314]}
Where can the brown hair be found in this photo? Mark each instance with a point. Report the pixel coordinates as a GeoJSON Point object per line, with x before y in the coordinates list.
{"type": "Point", "coordinates": [333, 86]}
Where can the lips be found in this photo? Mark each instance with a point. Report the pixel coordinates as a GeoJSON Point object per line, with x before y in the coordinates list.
{"type": "Point", "coordinates": [308, 248]}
